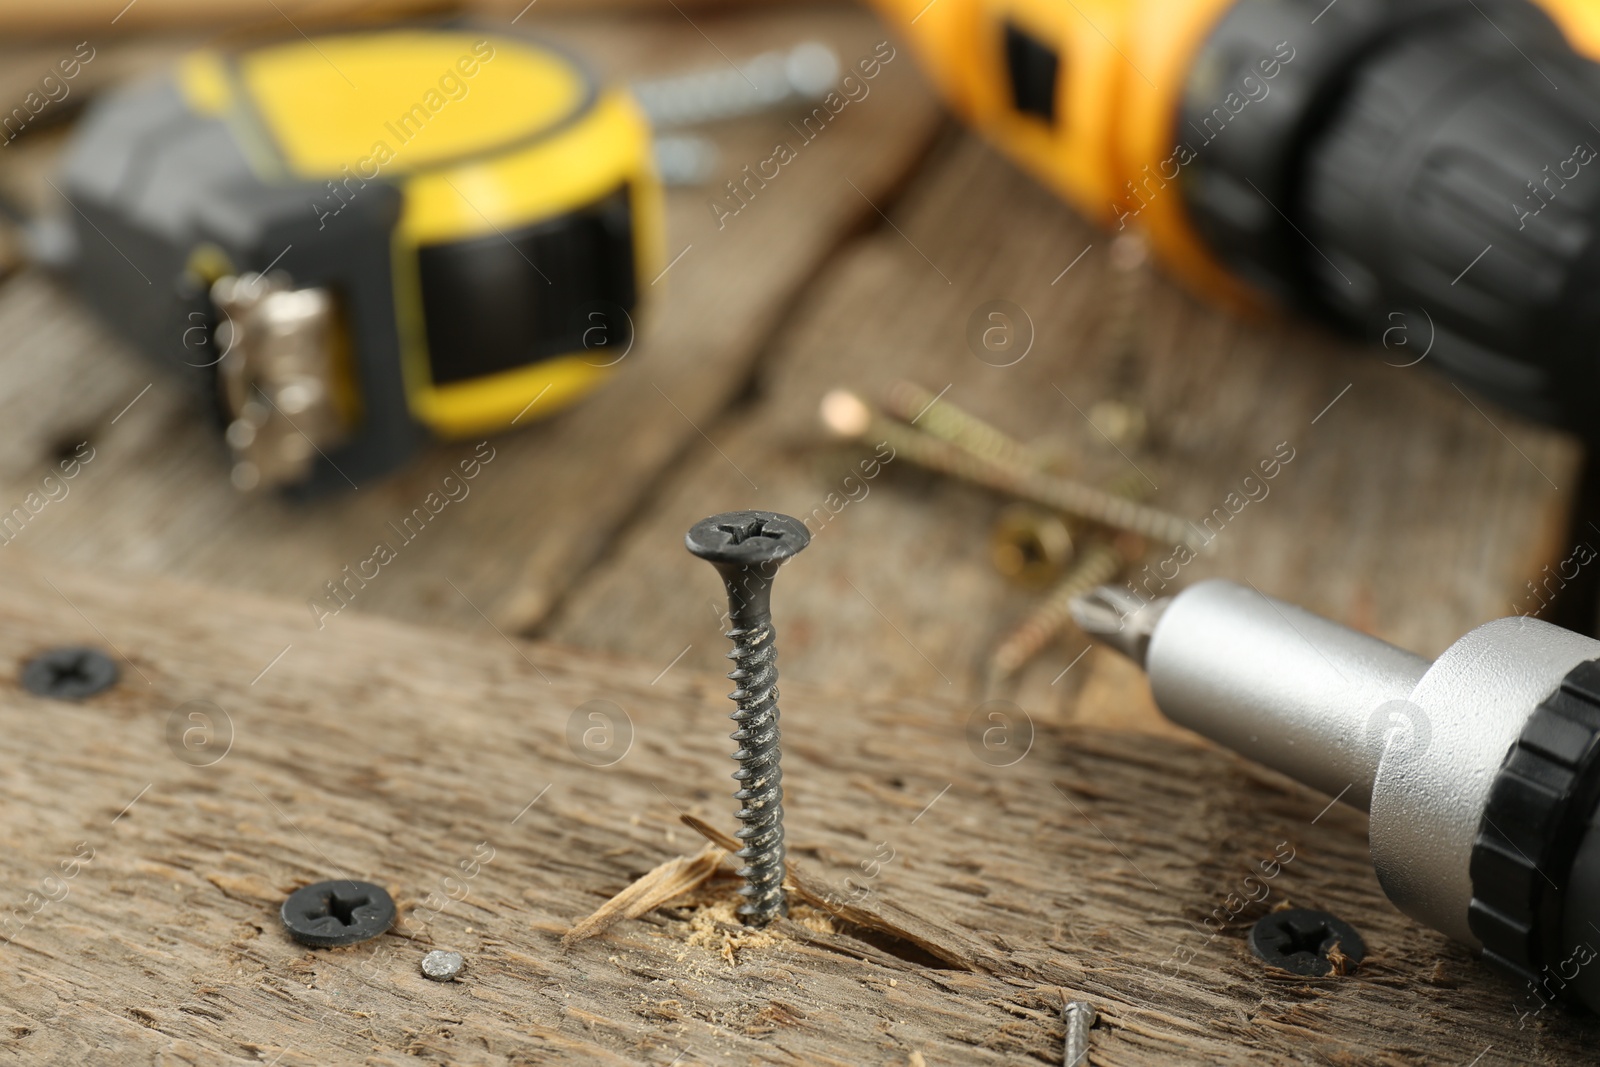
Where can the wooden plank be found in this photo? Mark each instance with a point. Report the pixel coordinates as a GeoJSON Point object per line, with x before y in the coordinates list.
{"type": "Point", "coordinates": [1405, 510]}
{"type": "Point", "coordinates": [547, 504]}
{"type": "Point", "coordinates": [440, 766]}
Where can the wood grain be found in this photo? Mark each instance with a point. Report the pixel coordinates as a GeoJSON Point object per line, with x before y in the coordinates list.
{"type": "Point", "coordinates": [1405, 511]}
{"type": "Point", "coordinates": [556, 492]}
{"type": "Point", "coordinates": [439, 766]}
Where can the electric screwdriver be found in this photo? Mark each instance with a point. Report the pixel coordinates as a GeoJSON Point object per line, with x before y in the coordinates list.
{"type": "Point", "coordinates": [1480, 770]}
{"type": "Point", "coordinates": [1418, 172]}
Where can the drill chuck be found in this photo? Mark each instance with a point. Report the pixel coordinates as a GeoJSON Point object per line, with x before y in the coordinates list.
{"type": "Point", "coordinates": [1480, 771]}
{"type": "Point", "coordinates": [1415, 178]}
{"type": "Point", "coordinates": [1419, 173]}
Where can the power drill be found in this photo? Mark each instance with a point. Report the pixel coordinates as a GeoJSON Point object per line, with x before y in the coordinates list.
{"type": "Point", "coordinates": [1419, 172]}
{"type": "Point", "coordinates": [1480, 770]}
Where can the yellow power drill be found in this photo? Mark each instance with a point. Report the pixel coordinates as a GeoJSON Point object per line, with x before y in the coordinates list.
{"type": "Point", "coordinates": [1415, 171]}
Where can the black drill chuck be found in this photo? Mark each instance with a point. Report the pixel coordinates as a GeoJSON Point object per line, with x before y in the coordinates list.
{"type": "Point", "coordinates": [1424, 173]}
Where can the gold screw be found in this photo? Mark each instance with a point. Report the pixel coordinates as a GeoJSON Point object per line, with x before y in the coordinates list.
{"type": "Point", "coordinates": [939, 418]}
{"type": "Point", "coordinates": [1029, 544]}
{"type": "Point", "coordinates": [1096, 565]}
{"type": "Point", "coordinates": [848, 416]}
{"type": "Point", "coordinates": [1046, 621]}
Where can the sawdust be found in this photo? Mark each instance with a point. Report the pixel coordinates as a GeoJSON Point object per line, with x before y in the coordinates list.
{"type": "Point", "coordinates": [713, 923]}
{"type": "Point", "coordinates": [704, 888]}
{"type": "Point", "coordinates": [907, 926]}
{"type": "Point", "coordinates": [716, 929]}
{"type": "Point", "coordinates": [714, 926]}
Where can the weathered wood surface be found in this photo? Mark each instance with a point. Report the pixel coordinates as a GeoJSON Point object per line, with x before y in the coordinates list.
{"type": "Point", "coordinates": [380, 751]}
{"type": "Point", "coordinates": [1405, 511]}
{"type": "Point", "coordinates": [157, 497]}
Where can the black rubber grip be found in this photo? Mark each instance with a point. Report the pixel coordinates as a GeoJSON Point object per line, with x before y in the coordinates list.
{"type": "Point", "coordinates": [1423, 169]}
{"type": "Point", "coordinates": [1537, 813]}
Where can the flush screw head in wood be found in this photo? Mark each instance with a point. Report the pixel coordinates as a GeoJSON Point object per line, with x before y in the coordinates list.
{"type": "Point", "coordinates": [1308, 942]}
{"type": "Point", "coordinates": [72, 673]}
{"type": "Point", "coordinates": [331, 914]}
{"type": "Point", "coordinates": [442, 966]}
{"type": "Point", "coordinates": [747, 548]}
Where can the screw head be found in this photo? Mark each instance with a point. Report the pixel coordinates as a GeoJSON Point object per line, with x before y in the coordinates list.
{"type": "Point", "coordinates": [747, 538]}
{"type": "Point", "coordinates": [1303, 941]}
{"type": "Point", "coordinates": [71, 673]}
{"type": "Point", "coordinates": [442, 966]}
{"type": "Point", "coordinates": [329, 914]}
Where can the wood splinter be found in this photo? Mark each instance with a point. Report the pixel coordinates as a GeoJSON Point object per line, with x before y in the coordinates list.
{"type": "Point", "coordinates": [683, 874]}
{"type": "Point", "coordinates": [672, 879]}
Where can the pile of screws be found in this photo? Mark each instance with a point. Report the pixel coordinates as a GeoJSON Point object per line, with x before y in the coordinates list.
{"type": "Point", "coordinates": [1063, 535]}
{"type": "Point", "coordinates": [1091, 532]}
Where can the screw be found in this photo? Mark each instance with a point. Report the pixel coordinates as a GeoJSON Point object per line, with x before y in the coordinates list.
{"type": "Point", "coordinates": [846, 415]}
{"type": "Point", "coordinates": [1030, 545]}
{"type": "Point", "coordinates": [1096, 564]}
{"type": "Point", "coordinates": [685, 159]}
{"type": "Point", "coordinates": [71, 673]}
{"type": "Point", "coordinates": [1128, 256]}
{"type": "Point", "coordinates": [805, 72]}
{"type": "Point", "coordinates": [1079, 1016]}
{"type": "Point", "coordinates": [442, 966]}
{"type": "Point", "coordinates": [1307, 942]}
{"type": "Point", "coordinates": [911, 403]}
{"type": "Point", "coordinates": [329, 914]}
{"type": "Point", "coordinates": [747, 548]}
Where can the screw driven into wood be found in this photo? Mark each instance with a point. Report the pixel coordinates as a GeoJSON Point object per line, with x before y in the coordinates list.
{"type": "Point", "coordinates": [747, 548]}
{"type": "Point", "coordinates": [1080, 1017]}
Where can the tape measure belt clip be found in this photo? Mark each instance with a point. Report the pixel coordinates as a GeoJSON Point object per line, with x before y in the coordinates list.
{"type": "Point", "coordinates": [552, 288]}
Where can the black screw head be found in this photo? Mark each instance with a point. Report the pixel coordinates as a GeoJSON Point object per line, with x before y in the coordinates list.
{"type": "Point", "coordinates": [1303, 941]}
{"type": "Point", "coordinates": [71, 673]}
{"type": "Point", "coordinates": [330, 914]}
{"type": "Point", "coordinates": [747, 538]}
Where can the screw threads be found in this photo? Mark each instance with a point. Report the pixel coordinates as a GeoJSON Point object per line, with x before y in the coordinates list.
{"type": "Point", "coordinates": [1052, 491]}
{"type": "Point", "coordinates": [747, 548]}
{"type": "Point", "coordinates": [760, 776]}
{"type": "Point", "coordinates": [907, 400]}
{"type": "Point", "coordinates": [1126, 293]}
{"type": "Point", "coordinates": [1096, 565]}
{"type": "Point", "coordinates": [805, 72]}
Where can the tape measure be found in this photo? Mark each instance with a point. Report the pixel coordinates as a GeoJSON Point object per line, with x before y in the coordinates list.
{"type": "Point", "coordinates": [354, 242]}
